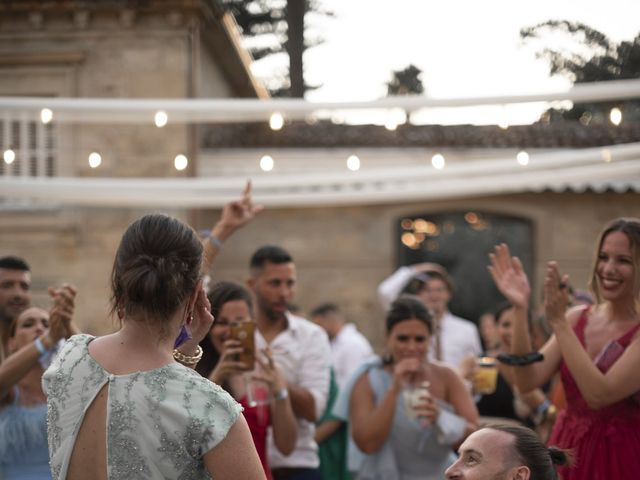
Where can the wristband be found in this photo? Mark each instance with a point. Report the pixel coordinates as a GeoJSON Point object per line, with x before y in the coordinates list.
{"type": "Point", "coordinates": [520, 360]}
{"type": "Point", "coordinates": [215, 241]}
{"type": "Point", "coordinates": [40, 346]}
{"type": "Point", "coordinates": [282, 394]}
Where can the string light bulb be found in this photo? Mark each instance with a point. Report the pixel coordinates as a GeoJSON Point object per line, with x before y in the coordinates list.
{"type": "Point", "coordinates": [180, 162]}
{"type": "Point", "coordinates": [523, 158]}
{"type": "Point", "coordinates": [266, 163]}
{"type": "Point", "coordinates": [438, 161]}
{"type": "Point", "coordinates": [615, 116]}
{"type": "Point", "coordinates": [276, 121]}
{"type": "Point", "coordinates": [9, 156]}
{"type": "Point", "coordinates": [161, 118]}
{"type": "Point", "coordinates": [353, 163]}
{"type": "Point", "coordinates": [95, 159]}
{"type": "Point", "coordinates": [46, 115]}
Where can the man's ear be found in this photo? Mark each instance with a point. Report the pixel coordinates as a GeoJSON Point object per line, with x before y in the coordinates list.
{"type": "Point", "coordinates": [521, 473]}
{"type": "Point", "coordinates": [251, 283]}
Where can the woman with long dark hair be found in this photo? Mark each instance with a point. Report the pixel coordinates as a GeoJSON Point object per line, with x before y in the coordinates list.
{"type": "Point", "coordinates": [595, 348]}
{"type": "Point", "coordinates": [231, 303]}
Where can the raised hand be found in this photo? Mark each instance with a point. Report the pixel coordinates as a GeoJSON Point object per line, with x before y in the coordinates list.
{"type": "Point", "coordinates": [509, 276]}
{"type": "Point", "coordinates": [556, 295]}
{"type": "Point", "coordinates": [61, 313]}
{"type": "Point", "coordinates": [228, 365]}
{"type": "Point", "coordinates": [202, 318]}
{"type": "Point", "coordinates": [270, 373]}
{"type": "Point", "coordinates": [237, 214]}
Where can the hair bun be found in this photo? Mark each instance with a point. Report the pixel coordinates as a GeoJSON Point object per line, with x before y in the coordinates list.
{"type": "Point", "coordinates": [560, 456]}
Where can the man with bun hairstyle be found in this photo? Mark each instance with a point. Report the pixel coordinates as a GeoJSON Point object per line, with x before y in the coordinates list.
{"type": "Point", "coordinates": [506, 452]}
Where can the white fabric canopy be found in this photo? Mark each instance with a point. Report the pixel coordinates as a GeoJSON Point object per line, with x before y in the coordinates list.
{"type": "Point", "coordinates": [198, 110]}
{"type": "Point", "coordinates": [616, 166]}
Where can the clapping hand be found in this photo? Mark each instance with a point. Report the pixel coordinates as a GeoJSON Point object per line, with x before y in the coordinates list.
{"type": "Point", "coordinates": [509, 276]}
{"type": "Point", "coordinates": [61, 313]}
{"type": "Point", "coordinates": [556, 295]}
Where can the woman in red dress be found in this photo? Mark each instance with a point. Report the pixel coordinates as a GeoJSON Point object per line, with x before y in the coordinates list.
{"type": "Point", "coordinates": [596, 349]}
{"type": "Point", "coordinates": [231, 303]}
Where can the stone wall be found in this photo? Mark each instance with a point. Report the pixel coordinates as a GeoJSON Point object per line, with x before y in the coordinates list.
{"type": "Point", "coordinates": [342, 254]}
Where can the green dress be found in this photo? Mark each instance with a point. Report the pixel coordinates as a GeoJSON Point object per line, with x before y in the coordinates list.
{"type": "Point", "coordinates": [159, 422]}
{"type": "Point", "coordinates": [333, 450]}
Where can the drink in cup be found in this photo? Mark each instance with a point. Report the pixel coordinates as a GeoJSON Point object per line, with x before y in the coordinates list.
{"type": "Point", "coordinates": [486, 376]}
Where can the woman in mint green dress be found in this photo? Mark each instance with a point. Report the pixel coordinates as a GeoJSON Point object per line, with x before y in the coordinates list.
{"type": "Point", "coordinates": [120, 406]}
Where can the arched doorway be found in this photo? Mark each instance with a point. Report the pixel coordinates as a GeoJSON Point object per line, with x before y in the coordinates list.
{"type": "Point", "coordinates": [460, 241]}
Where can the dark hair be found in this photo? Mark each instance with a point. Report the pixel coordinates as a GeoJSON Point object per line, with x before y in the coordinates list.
{"type": "Point", "coordinates": [631, 228]}
{"type": "Point", "coordinates": [14, 263]}
{"type": "Point", "coordinates": [220, 294]}
{"type": "Point", "coordinates": [500, 309]}
{"type": "Point", "coordinates": [531, 452]}
{"type": "Point", "coordinates": [156, 267]}
{"type": "Point", "coordinates": [408, 307]}
{"type": "Point", "coordinates": [441, 275]}
{"type": "Point", "coordinates": [324, 309]}
{"type": "Point", "coordinates": [271, 254]}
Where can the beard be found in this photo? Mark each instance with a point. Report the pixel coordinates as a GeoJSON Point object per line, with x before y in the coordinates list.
{"type": "Point", "coordinates": [271, 313]}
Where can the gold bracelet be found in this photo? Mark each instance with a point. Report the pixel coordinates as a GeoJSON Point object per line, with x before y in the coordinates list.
{"type": "Point", "coordinates": [188, 360]}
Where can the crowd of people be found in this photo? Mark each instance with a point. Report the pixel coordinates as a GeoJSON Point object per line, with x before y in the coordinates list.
{"type": "Point", "coordinates": [224, 381]}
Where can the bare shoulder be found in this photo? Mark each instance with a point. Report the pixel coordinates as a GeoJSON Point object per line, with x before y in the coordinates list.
{"type": "Point", "coordinates": [574, 313]}
{"type": "Point", "coordinates": [446, 373]}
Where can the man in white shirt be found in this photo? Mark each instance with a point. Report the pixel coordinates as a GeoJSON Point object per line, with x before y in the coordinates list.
{"type": "Point", "coordinates": [454, 338]}
{"type": "Point", "coordinates": [302, 351]}
{"type": "Point", "coordinates": [349, 348]}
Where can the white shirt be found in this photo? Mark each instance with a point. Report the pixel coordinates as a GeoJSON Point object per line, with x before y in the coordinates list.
{"type": "Point", "coordinates": [302, 352]}
{"type": "Point", "coordinates": [458, 337]}
{"type": "Point", "coordinates": [349, 349]}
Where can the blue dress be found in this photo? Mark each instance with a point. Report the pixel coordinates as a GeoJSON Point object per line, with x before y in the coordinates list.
{"type": "Point", "coordinates": [24, 454]}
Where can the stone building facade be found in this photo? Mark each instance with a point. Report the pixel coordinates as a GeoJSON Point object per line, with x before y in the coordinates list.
{"type": "Point", "coordinates": [185, 49]}
{"type": "Point", "coordinates": [104, 49]}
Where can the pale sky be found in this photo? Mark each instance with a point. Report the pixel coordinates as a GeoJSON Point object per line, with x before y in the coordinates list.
{"type": "Point", "coordinates": [465, 48]}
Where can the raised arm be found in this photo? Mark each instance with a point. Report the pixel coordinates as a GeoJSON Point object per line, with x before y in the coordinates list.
{"type": "Point", "coordinates": [17, 365]}
{"type": "Point", "coordinates": [512, 282]}
{"type": "Point", "coordinates": [235, 215]}
{"type": "Point", "coordinates": [598, 389]}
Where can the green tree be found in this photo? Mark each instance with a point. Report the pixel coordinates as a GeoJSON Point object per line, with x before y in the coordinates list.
{"type": "Point", "coordinates": [406, 81]}
{"type": "Point", "coordinates": [284, 21]}
{"type": "Point", "coordinates": [590, 57]}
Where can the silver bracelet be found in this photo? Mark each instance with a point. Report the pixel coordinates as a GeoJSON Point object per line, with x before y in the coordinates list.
{"type": "Point", "coordinates": [215, 241]}
{"type": "Point", "coordinates": [281, 395]}
{"type": "Point", "coordinates": [40, 346]}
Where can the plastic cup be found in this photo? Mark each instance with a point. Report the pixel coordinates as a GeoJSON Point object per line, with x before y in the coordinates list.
{"type": "Point", "coordinates": [412, 395]}
{"type": "Point", "coordinates": [486, 376]}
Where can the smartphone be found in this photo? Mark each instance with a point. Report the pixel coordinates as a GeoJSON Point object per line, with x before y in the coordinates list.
{"type": "Point", "coordinates": [243, 332]}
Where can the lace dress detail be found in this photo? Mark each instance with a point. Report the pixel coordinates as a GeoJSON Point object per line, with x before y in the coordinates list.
{"type": "Point", "coordinates": [159, 422]}
{"type": "Point", "coordinates": [605, 442]}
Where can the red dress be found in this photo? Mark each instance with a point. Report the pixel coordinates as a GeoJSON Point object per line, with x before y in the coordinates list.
{"type": "Point", "coordinates": [605, 442]}
{"type": "Point", "coordinates": [258, 420]}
